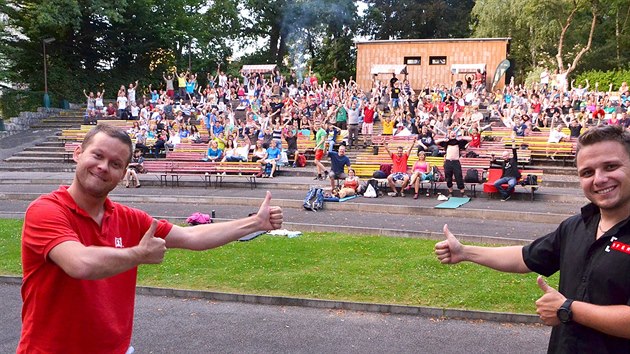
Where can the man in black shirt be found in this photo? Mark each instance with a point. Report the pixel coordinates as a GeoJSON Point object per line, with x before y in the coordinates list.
{"type": "Point", "coordinates": [590, 311]}
{"type": "Point", "coordinates": [510, 174]}
{"type": "Point", "coordinates": [292, 146]}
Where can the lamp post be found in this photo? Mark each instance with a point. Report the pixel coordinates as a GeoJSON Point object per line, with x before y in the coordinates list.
{"type": "Point", "coordinates": [46, 97]}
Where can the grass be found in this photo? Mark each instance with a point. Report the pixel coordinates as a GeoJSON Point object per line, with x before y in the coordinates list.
{"type": "Point", "coordinates": [328, 266]}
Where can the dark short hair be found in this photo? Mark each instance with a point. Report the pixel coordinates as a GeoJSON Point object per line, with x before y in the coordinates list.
{"type": "Point", "coordinates": [605, 133]}
{"type": "Point", "coordinates": [110, 131]}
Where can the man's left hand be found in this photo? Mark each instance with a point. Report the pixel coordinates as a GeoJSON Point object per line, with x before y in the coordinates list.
{"type": "Point", "coordinates": [548, 304]}
{"type": "Point", "coordinates": [270, 217]}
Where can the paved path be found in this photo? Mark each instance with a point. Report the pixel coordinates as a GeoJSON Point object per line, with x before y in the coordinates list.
{"type": "Point", "coordinates": [175, 325]}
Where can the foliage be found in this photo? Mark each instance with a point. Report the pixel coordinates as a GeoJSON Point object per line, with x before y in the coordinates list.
{"type": "Point", "coordinates": [535, 28]}
{"type": "Point", "coordinates": [405, 19]}
{"type": "Point", "coordinates": [12, 102]}
{"type": "Point", "coordinates": [328, 266]}
{"type": "Point", "coordinates": [604, 78]}
{"type": "Point", "coordinates": [102, 44]}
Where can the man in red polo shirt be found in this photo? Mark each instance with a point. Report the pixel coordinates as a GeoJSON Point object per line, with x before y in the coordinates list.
{"type": "Point", "coordinates": [399, 168]}
{"type": "Point", "coordinates": [80, 253]}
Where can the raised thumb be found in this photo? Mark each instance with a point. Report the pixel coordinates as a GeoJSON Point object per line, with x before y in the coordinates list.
{"type": "Point", "coordinates": [542, 284]}
{"type": "Point", "coordinates": [267, 201]}
{"type": "Point", "coordinates": [447, 234]}
{"type": "Point", "coordinates": [151, 231]}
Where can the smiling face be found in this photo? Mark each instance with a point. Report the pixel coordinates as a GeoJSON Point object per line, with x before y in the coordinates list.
{"type": "Point", "coordinates": [604, 171]}
{"type": "Point", "coordinates": [101, 165]}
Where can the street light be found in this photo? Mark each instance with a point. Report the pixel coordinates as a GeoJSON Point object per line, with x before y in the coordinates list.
{"type": "Point", "coordinates": [46, 97]}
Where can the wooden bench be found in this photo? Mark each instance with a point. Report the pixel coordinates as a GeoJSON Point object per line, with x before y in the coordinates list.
{"type": "Point", "coordinates": [524, 155]}
{"type": "Point", "coordinates": [68, 135]}
{"type": "Point", "coordinates": [185, 155]}
{"type": "Point", "coordinates": [540, 148]}
{"type": "Point", "coordinates": [176, 169]}
{"type": "Point", "coordinates": [249, 170]}
{"type": "Point", "coordinates": [482, 165]}
{"type": "Point", "coordinates": [495, 173]}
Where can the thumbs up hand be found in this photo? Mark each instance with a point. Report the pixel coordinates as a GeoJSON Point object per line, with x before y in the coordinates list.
{"type": "Point", "coordinates": [548, 304]}
{"type": "Point", "coordinates": [449, 251]}
{"type": "Point", "coordinates": [151, 248]}
{"type": "Point", "coordinates": [269, 216]}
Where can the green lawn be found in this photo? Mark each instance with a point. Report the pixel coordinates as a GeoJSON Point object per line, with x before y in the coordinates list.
{"type": "Point", "coordinates": [328, 266]}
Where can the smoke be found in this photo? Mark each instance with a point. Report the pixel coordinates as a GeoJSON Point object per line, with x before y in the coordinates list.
{"type": "Point", "coordinates": [306, 23]}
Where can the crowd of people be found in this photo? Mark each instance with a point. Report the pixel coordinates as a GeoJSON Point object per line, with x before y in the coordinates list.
{"type": "Point", "coordinates": [276, 107]}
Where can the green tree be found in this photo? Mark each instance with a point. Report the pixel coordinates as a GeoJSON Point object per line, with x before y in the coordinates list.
{"type": "Point", "coordinates": [558, 33]}
{"type": "Point", "coordinates": [406, 19]}
{"type": "Point", "coordinates": [113, 43]}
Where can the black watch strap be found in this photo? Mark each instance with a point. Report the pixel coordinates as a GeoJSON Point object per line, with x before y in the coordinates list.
{"type": "Point", "coordinates": [564, 313]}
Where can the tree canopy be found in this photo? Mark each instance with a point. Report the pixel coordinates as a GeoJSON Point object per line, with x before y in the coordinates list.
{"type": "Point", "coordinates": [98, 42]}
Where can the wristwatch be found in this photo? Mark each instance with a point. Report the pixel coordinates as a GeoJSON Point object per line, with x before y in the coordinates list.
{"type": "Point", "coordinates": [564, 313]}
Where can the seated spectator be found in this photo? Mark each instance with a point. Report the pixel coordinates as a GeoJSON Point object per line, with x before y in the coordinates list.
{"type": "Point", "coordinates": [350, 185]}
{"type": "Point", "coordinates": [110, 112]}
{"type": "Point", "coordinates": [555, 136]}
{"type": "Point", "coordinates": [141, 140]}
{"type": "Point", "coordinates": [421, 171]}
{"type": "Point", "coordinates": [401, 130]}
{"type": "Point", "coordinates": [214, 153]}
{"type": "Point", "coordinates": [273, 156]}
{"type": "Point", "coordinates": [229, 153]}
{"type": "Point", "coordinates": [337, 162]}
{"type": "Point", "coordinates": [399, 168]}
{"type": "Point", "coordinates": [426, 142]}
{"type": "Point", "coordinates": [242, 149]}
{"type": "Point", "coordinates": [90, 117]}
{"type": "Point", "coordinates": [510, 173]}
{"type": "Point", "coordinates": [173, 140]}
{"type": "Point", "coordinates": [134, 167]}
{"type": "Point", "coordinates": [259, 153]}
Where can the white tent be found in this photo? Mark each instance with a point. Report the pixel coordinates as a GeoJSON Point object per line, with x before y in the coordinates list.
{"type": "Point", "coordinates": [388, 69]}
{"type": "Point", "coordinates": [467, 68]}
{"type": "Point", "coordinates": [261, 69]}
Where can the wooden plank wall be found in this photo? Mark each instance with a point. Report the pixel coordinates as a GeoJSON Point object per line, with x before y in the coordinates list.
{"type": "Point", "coordinates": [461, 51]}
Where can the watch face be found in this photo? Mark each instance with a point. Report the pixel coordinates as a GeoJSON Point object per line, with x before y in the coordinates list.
{"type": "Point", "coordinates": [563, 315]}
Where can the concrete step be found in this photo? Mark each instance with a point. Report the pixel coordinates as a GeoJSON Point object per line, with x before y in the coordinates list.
{"type": "Point", "coordinates": [45, 148]}
{"type": "Point", "coordinates": [37, 167]}
{"type": "Point", "coordinates": [52, 142]}
{"type": "Point", "coordinates": [55, 125]}
{"type": "Point", "coordinates": [37, 158]}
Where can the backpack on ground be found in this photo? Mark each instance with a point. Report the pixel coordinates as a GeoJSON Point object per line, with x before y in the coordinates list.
{"type": "Point", "coordinates": [373, 183]}
{"type": "Point", "coordinates": [301, 160]}
{"type": "Point", "coordinates": [436, 174]}
{"type": "Point", "coordinates": [314, 199]}
{"type": "Point", "coordinates": [472, 176]}
{"type": "Point", "coordinates": [530, 180]}
{"type": "Point", "coordinates": [472, 154]}
{"type": "Point", "coordinates": [268, 169]}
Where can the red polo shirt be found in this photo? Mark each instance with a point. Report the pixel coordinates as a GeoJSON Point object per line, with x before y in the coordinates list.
{"type": "Point", "coordinates": [62, 314]}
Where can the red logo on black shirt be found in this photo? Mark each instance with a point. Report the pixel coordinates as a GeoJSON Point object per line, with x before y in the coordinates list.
{"type": "Point", "coordinates": [622, 247]}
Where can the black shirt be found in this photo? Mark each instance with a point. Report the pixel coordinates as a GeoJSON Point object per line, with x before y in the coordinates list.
{"type": "Point", "coordinates": [461, 143]}
{"type": "Point", "coordinates": [291, 142]}
{"type": "Point", "coordinates": [510, 167]}
{"type": "Point", "coordinates": [593, 271]}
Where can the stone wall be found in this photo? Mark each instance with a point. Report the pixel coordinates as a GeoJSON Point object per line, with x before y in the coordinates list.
{"type": "Point", "coordinates": [26, 119]}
